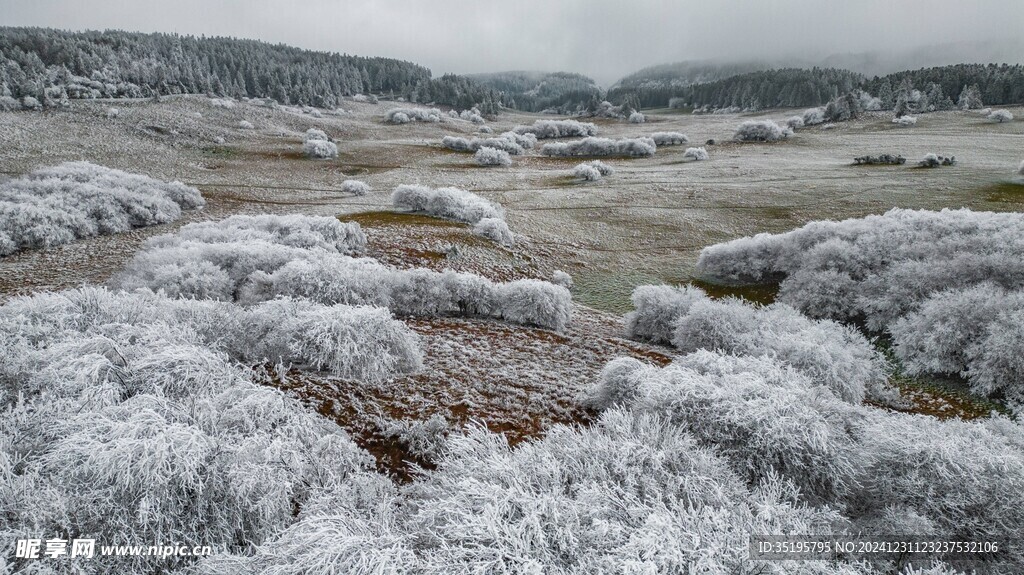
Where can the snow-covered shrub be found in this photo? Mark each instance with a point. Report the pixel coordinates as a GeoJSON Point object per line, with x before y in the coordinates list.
{"type": "Point", "coordinates": [700, 153]}
{"type": "Point", "coordinates": [355, 187]}
{"type": "Point", "coordinates": [545, 129]}
{"type": "Point", "coordinates": [1000, 116]}
{"type": "Point", "coordinates": [245, 125]}
{"type": "Point", "coordinates": [225, 103]}
{"type": "Point", "coordinates": [603, 168]}
{"type": "Point", "coordinates": [9, 104]}
{"type": "Point", "coordinates": [406, 115]}
{"type": "Point", "coordinates": [113, 113]}
{"type": "Point", "coordinates": [320, 149]}
{"type": "Point", "coordinates": [558, 277]}
{"type": "Point", "coordinates": [637, 118]}
{"type": "Point", "coordinates": [495, 230]}
{"type": "Point", "coordinates": [761, 131]}
{"type": "Point", "coordinates": [881, 159]}
{"type": "Point", "coordinates": [827, 352]}
{"type": "Point", "coordinates": [586, 172]}
{"type": "Point", "coordinates": [487, 156]}
{"type": "Point", "coordinates": [30, 103]}
{"type": "Point", "coordinates": [935, 160]}
{"type": "Point", "coordinates": [508, 142]}
{"type": "Point", "coordinates": [813, 116]}
{"type": "Point", "coordinates": [314, 134]}
{"type": "Point", "coordinates": [603, 147]}
{"type": "Point", "coordinates": [949, 478]}
{"type": "Point", "coordinates": [472, 115]}
{"type": "Point", "coordinates": [74, 200]}
{"type": "Point", "coordinates": [884, 268]}
{"type": "Point", "coordinates": [448, 203]}
{"type": "Point", "coordinates": [669, 138]}
{"type": "Point", "coordinates": [486, 130]}
{"type": "Point", "coordinates": [134, 421]}
{"type": "Point", "coordinates": [795, 122]}
{"type": "Point", "coordinates": [361, 98]}
{"type": "Point", "coordinates": [259, 260]}
{"type": "Point", "coordinates": [904, 120]}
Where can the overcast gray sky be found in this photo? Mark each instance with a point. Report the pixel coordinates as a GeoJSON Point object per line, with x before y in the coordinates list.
{"type": "Point", "coordinates": [602, 38]}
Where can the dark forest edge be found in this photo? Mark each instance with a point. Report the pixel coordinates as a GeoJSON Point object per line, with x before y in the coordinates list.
{"type": "Point", "coordinates": [41, 67]}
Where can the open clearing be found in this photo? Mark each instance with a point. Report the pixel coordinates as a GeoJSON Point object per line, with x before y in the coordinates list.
{"type": "Point", "coordinates": [644, 224]}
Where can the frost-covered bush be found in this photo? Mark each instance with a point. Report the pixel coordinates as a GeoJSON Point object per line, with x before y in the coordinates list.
{"type": "Point", "coordinates": [884, 268]}
{"type": "Point", "coordinates": [137, 424]}
{"type": "Point", "coordinates": [973, 332]}
{"type": "Point", "coordinates": [669, 138]}
{"type": "Point", "coordinates": [795, 122]}
{"type": "Point", "coordinates": [355, 187]}
{"type": "Point", "coordinates": [448, 203]}
{"type": "Point", "coordinates": [700, 153]}
{"type": "Point", "coordinates": [320, 149]}
{"type": "Point", "coordinates": [592, 171]}
{"type": "Point", "coordinates": [495, 230]}
{"type": "Point", "coordinates": [486, 130]}
{"type": "Point", "coordinates": [881, 159]}
{"type": "Point", "coordinates": [813, 116]}
{"type": "Point", "coordinates": [406, 115]}
{"type": "Point", "coordinates": [314, 134]}
{"type": "Point", "coordinates": [761, 131]}
{"type": "Point", "coordinates": [586, 172]}
{"type": "Point", "coordinates": [637, 118]}
{"type": "Point", "coordinates": [30, 103]}
{"type": "Point", "coordinates": [1000, 116]}
{"type": "Point", "coordinates": [245, 125]}
{"type": "Point", "coordinates": [886, 470]}
{"type": "Point", "coordinates": [486, 156]}
{"type": "Point", "coordinates": [829, 353]}
{"type": "Point", "coordinates": [259, 260]}
{"type": "Point", "coordinates": [904, 120]}
{"type": "Point", "coordinates": [472, 115]}
{"type": "Point", "coordinates": [935, 160]}
{"type": "Point", "coordinates": [508, 142]}
{"type": "Point", "coordinates": [9, 104]}
{"type": "Point", "coordinates": [603, 147]}
{"type": "Point", "coordinates": [558, 277]}
{"type": "Point", "coordinates": [545, 129]}
{"type": "Point", "coordinates": [225, 103]}
{"type": "Point", "coordinates": [75, 200]}
{"type": "Point", "coordinates": [112, 113]}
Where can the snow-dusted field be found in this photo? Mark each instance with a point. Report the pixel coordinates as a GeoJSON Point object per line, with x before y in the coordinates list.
{"type": "Point", "coordinates": [644, 223]}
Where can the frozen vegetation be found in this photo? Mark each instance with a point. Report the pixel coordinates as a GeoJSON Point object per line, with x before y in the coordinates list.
{"type": "Point", "coordinates": [1000, 116]}
{"type": "Point", "coordinates": [546, 129]}
{"type": "Point", "coordinates": [250, 260]}
{"type": "Point", "coordinates": [406, 115]}
{"type": "Point", "coordinates": [669, 138]}
{"type": "Point", "coordinates": [761, 131]}
{"type": "Point", "coordinates": [592, 171]}
{"type": "Point", "coordinates": [601, 147]}
{"type": "Point", "coordinates": [245, 125]}
{"type": "Point", "coordinates": [904, 120]}
{"type": "Point", "coordinates": [139, 416]}
{"type": "Point", "coordinates": [509, 142]}
{"type": "Point", "coordinates": [57, 205]}
{"type": "Point", "coordinates": [448, 203]}
{"type": "Point", "coordinates": [486, 156]}
{"type": "Point", "coordinates": [700, 153]}
{"type": "Point", "coordinates": [320, 149]}
{"type": "Point", "coordinates": [944, 284]}
{"type": "Point", "coordinates": [355, 187]}
{"type": "Point", "coordinates": [494, 229]}
{"type": "Point", "coordinates": [825, 351]}
{"type": "Point", "coordinates": [637, 118]}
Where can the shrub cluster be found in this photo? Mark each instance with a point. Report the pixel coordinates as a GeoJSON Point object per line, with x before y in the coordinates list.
{"type": "Point", "coordinates": [75, 200]}
{"type": "Point", "coordinates": [406, 115]}
{"type": "Point", "coordinates": [601, 147]}
{"type": "Point", "coordinates": [592, 171]}
{"type": "Point", "coordinates": [700, 153]}
{"type": "Point", "coordinates": [902, 272]}
{"type": "Point", "coordinates": [486, 156]}
{"type": "Point", "coordinates": [669, 138]}
{"type": "Point", "coordinates": [761, 131]}
{"type": "Point", "coordinates": [546, 129]}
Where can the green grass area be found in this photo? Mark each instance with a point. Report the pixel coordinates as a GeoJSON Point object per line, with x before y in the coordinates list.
{"type": "Point", "coordinates": [1004, 192]}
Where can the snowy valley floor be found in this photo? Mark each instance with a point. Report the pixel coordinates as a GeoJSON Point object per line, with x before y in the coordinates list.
{"type": "Point", "coordinates": [644, 224]}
